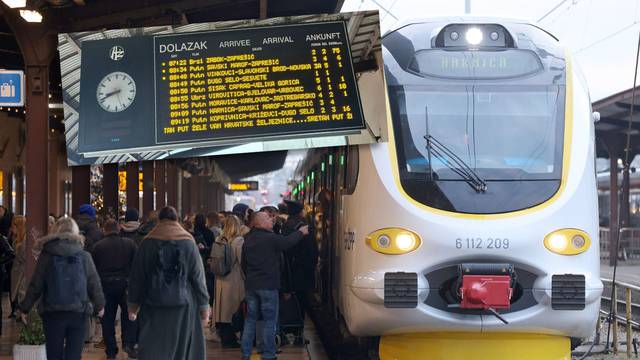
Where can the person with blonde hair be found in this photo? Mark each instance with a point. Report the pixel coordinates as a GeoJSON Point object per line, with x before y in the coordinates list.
{"type": "Point", "coordinates": [19, 232]}
{"type": "Point", "coordinates": [68, 283]}
{"type": "Point", "coordinates": [230, 287]}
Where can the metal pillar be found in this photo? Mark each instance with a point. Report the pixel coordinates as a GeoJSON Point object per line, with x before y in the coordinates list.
{"type": "Point", "coordinates": [613, 214]}
{"type": "Point", "coordinates": [625, 211]}
{"type": "Point", "coordinates": [110, 181]}
{"type": "Point", "coordinates": [172, 184]}
{"type": "Point", "coordinates": [80, 190]}
{"type": "Point", "coordinates": [160, 182]}
{"type": "Point", "coordinates": [147, 187]}
{"type": "Point", "coordinates": [55, 181]}
{"type": "Point", "coordinates": [133, 192]}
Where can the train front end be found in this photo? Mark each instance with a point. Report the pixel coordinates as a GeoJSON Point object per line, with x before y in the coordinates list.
{"type": "Point", "coordinates": [483, 227]}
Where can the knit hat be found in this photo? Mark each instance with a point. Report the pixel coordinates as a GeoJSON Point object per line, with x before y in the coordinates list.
{"type": "Point", "coordinates": [240, 210]}
{"type": "Point", "coordinates": [86, 209]}
{"type": "Point", "coordinates": [293, 207]}
{"type": "Point", "coordinates": [131, 214]}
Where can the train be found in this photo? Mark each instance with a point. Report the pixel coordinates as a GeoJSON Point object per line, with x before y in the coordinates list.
{"type": "Point", "coordinates": [472, 232]}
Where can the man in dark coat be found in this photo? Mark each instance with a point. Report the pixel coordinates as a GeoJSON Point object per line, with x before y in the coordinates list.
{"type": "Point", "coordinates": [303, 257]}
{"type": "Point", "coordinates": [88, 225]}
{"type": "Point", "coordinates": [174, 331]}
{"type": "Point", "coordinates": [113, 256]}
{"type": "Point", "coordinates": [260, 262]}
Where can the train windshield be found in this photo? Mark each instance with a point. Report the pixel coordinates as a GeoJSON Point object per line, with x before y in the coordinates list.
{"type": "Point", "coordinates": [499, 131]}
{"type": "Point", "coordinates": [502, 132]}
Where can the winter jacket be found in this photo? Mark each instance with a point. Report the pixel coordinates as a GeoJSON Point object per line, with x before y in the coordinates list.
{"type": "Point", "coordinates": [301, 258]}
{"type": "Point", "coordinates": [261, 258]}
{"type": "Point", "coordinates": [64, 244]}
{"type": "Point", "coordinates": [113, 256]}
{"type": "Point", "coordinates": [89, 228]}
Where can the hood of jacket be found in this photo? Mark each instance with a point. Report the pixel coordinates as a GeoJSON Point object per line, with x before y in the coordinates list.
{"type": "Point", "coordinates": [169, 230]}
{"type": "Point", "coordinates": [130, 226]}
{"type": "Point", "coordinates": [63, 244]}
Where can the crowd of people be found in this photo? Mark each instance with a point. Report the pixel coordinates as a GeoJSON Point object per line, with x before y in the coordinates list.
{"type": "Point", "coordinates": [165, 274]}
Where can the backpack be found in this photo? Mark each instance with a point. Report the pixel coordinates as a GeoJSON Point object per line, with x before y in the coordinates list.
{"type": "Point", "coordinates": [66, 283]}
{"type": "Point", "coordinates": [168, 282]}
{"type": "Point", "coordinates": [221, 258]}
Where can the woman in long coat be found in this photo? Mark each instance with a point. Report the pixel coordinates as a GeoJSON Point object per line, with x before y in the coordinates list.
{"type": "Point", "coordinates": [18, 286]}
{"type": "Point", "coordinates": [230, 288]}
{"type": "Point", "coordinates": [169, 331]}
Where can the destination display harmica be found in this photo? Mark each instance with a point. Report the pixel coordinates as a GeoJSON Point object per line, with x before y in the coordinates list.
{"type": "Point", "coordinates": [255, 82]}
{"type": "Point", "coordinates": [217, 87]}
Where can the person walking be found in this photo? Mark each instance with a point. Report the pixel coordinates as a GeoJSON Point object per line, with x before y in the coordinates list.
{"type": "Point", "coordinates": [113, 257]}
{"type": "Point", "coordinates": [66, 281]}
{"type": "Point", "coordinates": [88, 226]}
{"type": "Point", "coordinates": [302, 258]}
{"type": "Point", "coordinates": [260, 262]}
{"type": "Point", "coordinates": [230, 287]}
{"type": "Point", "coordinates": [167, 289]}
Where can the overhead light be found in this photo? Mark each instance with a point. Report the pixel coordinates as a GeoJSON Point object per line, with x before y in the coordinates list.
{"type": "Point", "coordinates": [474, 36]}
{"type": "Point", "coordinates": [15, 3]}
{"type": "Point", "coordinates": [32, 16]}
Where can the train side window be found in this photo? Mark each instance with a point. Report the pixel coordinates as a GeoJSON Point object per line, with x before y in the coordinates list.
{"type": "Point", "coordinates": [352, 165]}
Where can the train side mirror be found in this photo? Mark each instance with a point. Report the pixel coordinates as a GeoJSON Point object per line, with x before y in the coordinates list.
{"type": "Point", "coordinates": [595, 116]}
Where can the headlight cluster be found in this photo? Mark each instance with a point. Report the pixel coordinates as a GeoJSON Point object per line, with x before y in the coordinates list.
{"type": "Point", "coordinates": [567, 241]}
{"type": "Point", "coordinates": [393, 241]}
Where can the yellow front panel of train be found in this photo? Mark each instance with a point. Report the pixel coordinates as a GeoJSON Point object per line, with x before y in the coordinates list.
{"type": "Point", "coordinates": [476, 346]}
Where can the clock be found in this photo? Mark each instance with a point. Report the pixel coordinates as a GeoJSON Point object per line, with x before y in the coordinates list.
{"type": "Point", "coordinates": [116, 92]}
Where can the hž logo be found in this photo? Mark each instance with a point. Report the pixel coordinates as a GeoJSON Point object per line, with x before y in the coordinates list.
{"type": "Point", "coordinates": [116, 53]}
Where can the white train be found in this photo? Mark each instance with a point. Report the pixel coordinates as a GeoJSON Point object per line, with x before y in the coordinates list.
{"type": "Point", "coordinates": [472, 233]}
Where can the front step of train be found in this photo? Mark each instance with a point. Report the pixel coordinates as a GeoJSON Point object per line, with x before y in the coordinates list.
{"type": "Point", "coordinates": [478, 288]}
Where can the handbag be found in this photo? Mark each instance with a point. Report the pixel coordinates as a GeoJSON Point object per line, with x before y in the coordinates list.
{"type": "Point", "coordinates": [7, 254]}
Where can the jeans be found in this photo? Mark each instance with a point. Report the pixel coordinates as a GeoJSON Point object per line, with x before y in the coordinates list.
{"type": "Point", "coordinates": [115, 294]}
{"type": "Point", "coordinates": [64, 326]}
{"type": "Point", "coordinates": [265, 301]}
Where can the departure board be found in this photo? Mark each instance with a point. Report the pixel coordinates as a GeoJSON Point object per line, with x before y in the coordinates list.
{"type": "Point", "coordinates": [254, 83]}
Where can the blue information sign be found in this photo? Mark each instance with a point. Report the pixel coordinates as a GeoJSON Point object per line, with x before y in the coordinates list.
{"type": "Point", "coordinates": [11, 88]}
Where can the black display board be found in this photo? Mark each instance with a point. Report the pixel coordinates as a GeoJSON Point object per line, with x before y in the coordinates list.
{"type": "Point", "coordinates": [229, 85]}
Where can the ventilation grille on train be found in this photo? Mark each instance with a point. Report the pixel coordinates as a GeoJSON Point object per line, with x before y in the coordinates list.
{"type": "Point", "coordinates": [567, 292]}
{"type": "Point", "coordinates": [400, 290]}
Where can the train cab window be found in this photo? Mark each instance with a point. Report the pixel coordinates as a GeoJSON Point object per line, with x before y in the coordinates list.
{"type": "Point", "coordinates": [351, 169]}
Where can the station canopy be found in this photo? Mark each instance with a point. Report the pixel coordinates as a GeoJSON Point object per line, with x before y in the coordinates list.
{"type": "Point", "coordinates": [613, 126]}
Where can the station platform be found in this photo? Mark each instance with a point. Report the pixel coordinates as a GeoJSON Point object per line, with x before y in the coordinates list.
{"type": "Point", "coordinates": [628, 272]}
{"type": "Point", "coordinates": [313, 350]}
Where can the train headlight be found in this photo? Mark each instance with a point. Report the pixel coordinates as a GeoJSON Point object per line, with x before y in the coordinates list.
{"type": "Point", "coordinates": [393, 241]}
{"type": "Point", "coordinates": [474, 36]}
{"type": "Point", "coordinates": [567, 242]}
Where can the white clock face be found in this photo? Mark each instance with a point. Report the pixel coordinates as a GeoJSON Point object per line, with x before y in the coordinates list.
{"type": "Point", "coordinates": [116, 92]}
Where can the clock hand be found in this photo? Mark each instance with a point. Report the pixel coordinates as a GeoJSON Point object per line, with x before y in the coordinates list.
{"type": "Point", "coordinates": [111, 94]}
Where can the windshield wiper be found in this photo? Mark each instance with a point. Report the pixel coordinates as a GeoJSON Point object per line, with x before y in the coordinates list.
{"type": "Point", "coordinates": [457, 165]}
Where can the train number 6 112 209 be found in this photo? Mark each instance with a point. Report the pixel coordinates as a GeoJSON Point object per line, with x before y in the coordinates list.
{"type": "Point", "coordinates": [480, 243]}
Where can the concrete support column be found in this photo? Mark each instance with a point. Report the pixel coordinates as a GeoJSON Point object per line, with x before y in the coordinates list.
{"type": "Point", "coordinates": [160, 182]}
{"type": "Point", "coordinates": [133, 192]}
{"type": "Point", "coordinates": [147, 187]}
{"type": "Point", "coordinates": [110, 188]}
{"type": "Point", "coordinates": [80, 189]}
